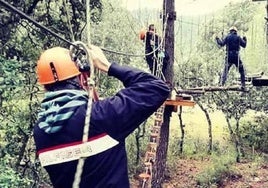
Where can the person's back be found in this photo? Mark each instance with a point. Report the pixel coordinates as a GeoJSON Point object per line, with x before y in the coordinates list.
{"type": "Point", "coordinates": [58, 133]}
{"type": "Point", "coordinates": [233, 42]}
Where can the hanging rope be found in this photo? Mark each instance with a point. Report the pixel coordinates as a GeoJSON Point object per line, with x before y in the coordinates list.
{"type": "Point", "coordinates": [161, 56]}
{"type": "Point", "coordinates": [22, 14]}
{"type": "Point", "coordinates": [90, 84]}
{"type": "Point", "coordinates": [158, 59]}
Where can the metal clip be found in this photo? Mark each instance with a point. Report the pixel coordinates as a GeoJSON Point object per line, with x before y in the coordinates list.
{"type": "Point", "coordinates": [79, 54]}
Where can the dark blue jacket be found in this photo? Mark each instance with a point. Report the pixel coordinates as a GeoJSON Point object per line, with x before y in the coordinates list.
{"type": "Point", "coordinates": [232, 42]}
{"type": "Point", "coordinates": [117, 116]}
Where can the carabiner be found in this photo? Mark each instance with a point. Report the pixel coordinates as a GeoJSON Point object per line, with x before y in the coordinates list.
{"type": "Point", "coordinates": [80, 55]}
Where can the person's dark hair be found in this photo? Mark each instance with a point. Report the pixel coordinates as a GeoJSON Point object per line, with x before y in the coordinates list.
{"type": "Point", "coordinates": [150, 26]}
{"type": "Point", "coordinates": [71, 83]}
{"type": "Point", "coordinates": [233, 31]}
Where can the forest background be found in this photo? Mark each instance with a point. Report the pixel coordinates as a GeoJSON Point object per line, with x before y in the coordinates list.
{"type": "Point", "coordinates": [221, 141]}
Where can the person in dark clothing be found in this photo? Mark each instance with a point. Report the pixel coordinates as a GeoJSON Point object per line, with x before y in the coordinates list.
{"type": "Point", "coordinates": [153, 51]}
{"type": "Point", "coordinates": [233, 42]}
{"type": "Point", "coordinates": [59, 129]}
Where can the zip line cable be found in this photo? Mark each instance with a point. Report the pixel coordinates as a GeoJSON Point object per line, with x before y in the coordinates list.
{"type": "Point", "coordinates": [22, 14]}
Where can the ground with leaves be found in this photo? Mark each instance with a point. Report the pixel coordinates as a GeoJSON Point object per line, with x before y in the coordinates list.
{"type": "Point", "coordinates": [245, 175]}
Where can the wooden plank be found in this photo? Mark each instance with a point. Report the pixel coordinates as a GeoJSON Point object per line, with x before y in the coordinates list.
{"type": "Point", "coordinates": [180, 103]}
{"type": "Point", "coordinates": [191, 92]}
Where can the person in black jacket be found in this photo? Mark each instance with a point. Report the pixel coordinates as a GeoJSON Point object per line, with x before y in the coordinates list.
{"type": "Point", "coordinates": [154, 52]}
{"type": "Point", "coordinates": [59, 130]}
{"type": "Point", "coordinates": [233, 42]}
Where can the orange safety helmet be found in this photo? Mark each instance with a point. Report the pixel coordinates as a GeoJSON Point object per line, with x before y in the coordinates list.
{"type": "Point", "coordinates": [142, 34]}
{"type": "Point", "coordinates": [55, 64]}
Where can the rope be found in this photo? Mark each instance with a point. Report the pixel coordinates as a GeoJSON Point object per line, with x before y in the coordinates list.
{"type": "Point", "coordinates": [23, 15]}
{"type": "Point", "coordinates": [160, 59]}
{"type": "Point", "coordinates": [157, 67]}
{"type": "Point", "coordinates": [90, 84]}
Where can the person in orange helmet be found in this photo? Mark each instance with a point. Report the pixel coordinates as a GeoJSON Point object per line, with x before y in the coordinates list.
{"type": "Point", "coordinates": [59, 130]}
{"type": "Point", "coordinates": [153, 49]}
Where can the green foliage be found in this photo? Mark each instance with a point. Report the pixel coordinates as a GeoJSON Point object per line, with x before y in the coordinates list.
{"type": "Point", "coordinates": [198, 63]}
{"type": "Point", "coordinates": [219, 169]}
{"type": "Point", "coordinates": [9, 177]}
{"type": "Point", "coordinates": [255, 133]}
{"type": "Point", "coordinates": [18, 103]}
{"type": "Point", "coordinates": [136, 151]}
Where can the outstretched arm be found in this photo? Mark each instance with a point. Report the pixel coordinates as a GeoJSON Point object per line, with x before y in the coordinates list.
{"type": "Point", "coordinates": [123, 113]}
{"type": "Point", "coordinates": [221, 42]}
{"type": "Point", "coordinates": [243, 42]}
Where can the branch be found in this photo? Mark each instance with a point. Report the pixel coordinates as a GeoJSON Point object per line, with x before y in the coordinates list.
{"type": "Point", "coordinates": [215, 88]}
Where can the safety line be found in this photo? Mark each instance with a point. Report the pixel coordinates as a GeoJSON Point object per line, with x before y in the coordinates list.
{"type": "Point", "coordinates": [22, 14]}
{"type": "Point", "coordinates": [7, 5]}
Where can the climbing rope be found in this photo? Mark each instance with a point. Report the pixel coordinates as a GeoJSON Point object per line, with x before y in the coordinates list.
{"type": "Point", "coordinates": [159, 56]}
{"type": "Point", "coordinates": [90, 85]}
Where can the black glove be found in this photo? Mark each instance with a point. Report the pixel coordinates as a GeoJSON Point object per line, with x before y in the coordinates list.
{"type": "Point", "coordinates": [217, 38]}
{"type": "Point", "coordinates": [244, 38]}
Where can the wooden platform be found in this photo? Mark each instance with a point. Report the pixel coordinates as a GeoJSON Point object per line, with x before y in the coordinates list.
{"type": "Point", "coordinates": [257, 79]}
{"type": "Point", "coordinates": [180, 102]}
{"type": "Point", "coordinates": [262, 81]}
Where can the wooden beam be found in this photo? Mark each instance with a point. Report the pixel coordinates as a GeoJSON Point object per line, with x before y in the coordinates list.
{"type": "Point", "coordinates": [251, 77]}
{"type": "Point", "coordinates": [217, 88]}
{"type": "Point", "coordinates": [179, 102]}
{"type": "Point", "coordinates": [190, 92]}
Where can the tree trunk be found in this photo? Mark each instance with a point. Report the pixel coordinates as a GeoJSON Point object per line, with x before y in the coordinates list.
{"type": "Point", "coordinates": [239, 139]}
{"type": "Point", "coordinates": [234, 139]}
{"type": "Point", "coordinates": [182, 131]}
{"type": "Point", "coordinates": [139, 134]}
{"type": "Point", "coordinates": [161, 154]}
{"type": "Point", "coordinates": [209, 126]}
